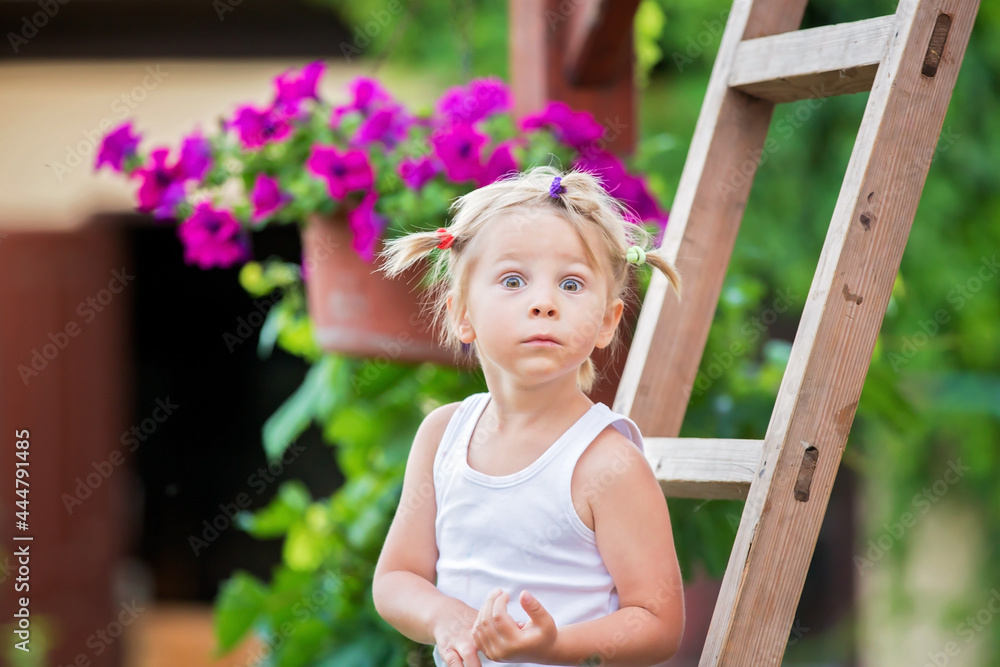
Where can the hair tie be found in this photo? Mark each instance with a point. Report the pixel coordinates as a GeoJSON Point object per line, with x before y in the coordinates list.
{"type": "Point", "coordinates": [446, 238]}
{"type": "Point", "coordinates": [557, 188]}
{"type": "Point", "coordinates": [635, 255]}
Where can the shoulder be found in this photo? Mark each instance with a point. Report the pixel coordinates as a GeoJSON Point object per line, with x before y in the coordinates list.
{"type": "Point", "coordinates": [611, 457]}
{"type": "Point", "coordinates": [432, 428]}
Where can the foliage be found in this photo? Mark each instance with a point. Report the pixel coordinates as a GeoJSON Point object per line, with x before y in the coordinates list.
{"type": "Point", "coordinates": [318, 609]}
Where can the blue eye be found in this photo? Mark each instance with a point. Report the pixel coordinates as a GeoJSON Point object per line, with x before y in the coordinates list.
{"type": "Point", "coordinates": [573, 281]}
{"type": "Point", "coordinates": [505, 281]}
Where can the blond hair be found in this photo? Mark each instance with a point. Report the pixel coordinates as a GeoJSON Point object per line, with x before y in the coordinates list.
{"type": "Point", "coordinates": [583, 203]}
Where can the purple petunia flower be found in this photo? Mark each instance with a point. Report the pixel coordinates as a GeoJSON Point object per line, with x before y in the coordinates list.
{"type": "Point", "coordinates": [260, 126]}
{"type": "Point", "coordinates": [458, 146]}
{"type": "Point", "coordinates": [117, 146]}
{"type": "Point", "coordinates": [196, 157]}
{"type": "Point", "coordinates": [574, 128]}
{"type": "Point", "coordinates": [213, 238]}
{"type": "Point", "coordinates": [367, 96]}
{"type": "Point", "coordinates": [173, 195]}
{"type": "Point", "coordinates": [266, 197]}
{"type": "Point", "coordinates": [294, 87]}
{"type": "Point", "coordinates": [624, 187]}
{"type": "Point", "coordinates": [162, 186]}
{"type": "Point", "coordinates": [343, 171]}
{"type": "Point", "coordinates": [416, 173]}
{"type": "Point", "coordinates": [387, 125]}
{"type": "Point", "coordinates": [501, 163]}
{"type": "Point", "coordinates": [480, 99]}
{"type": "Point", "coordinates": [366, 226]}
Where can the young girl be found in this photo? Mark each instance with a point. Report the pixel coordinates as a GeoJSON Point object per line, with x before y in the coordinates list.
{"type": "Point", "coordinates": [531, 529]}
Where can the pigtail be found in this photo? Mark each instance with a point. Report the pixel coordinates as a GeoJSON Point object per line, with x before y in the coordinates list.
{"type": "Point", "coordinates": [667, 268]}
{"type": "Point", "coordinates": [586, 376]}
{"type": "Point", "coordinates": [401, 253]}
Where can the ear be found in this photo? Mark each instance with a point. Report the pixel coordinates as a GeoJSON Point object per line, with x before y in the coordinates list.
{"type": "Point", "coordinates": [463, 327]}
{"type": "Point", "coordinates": [612, 316]}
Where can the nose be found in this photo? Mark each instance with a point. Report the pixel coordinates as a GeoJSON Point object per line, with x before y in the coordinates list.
{"type": "Point", "coordinates": [543, 305]}
{"type": "Point", "coordinates": [543, 311]}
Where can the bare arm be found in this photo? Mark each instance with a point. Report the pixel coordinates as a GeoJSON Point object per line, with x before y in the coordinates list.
{"type": "Point", "coordinates": [635, 540]}
{"type": "Point", "coordinates": [403, 588]}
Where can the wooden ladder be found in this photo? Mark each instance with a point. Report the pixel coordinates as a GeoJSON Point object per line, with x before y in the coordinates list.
{"type": "Point", "coordinates": [909, 62]}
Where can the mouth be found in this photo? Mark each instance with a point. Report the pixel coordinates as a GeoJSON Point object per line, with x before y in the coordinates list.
{"type": "Point", "coordinates": [541, 339]}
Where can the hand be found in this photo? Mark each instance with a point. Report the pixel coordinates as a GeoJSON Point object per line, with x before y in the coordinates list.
{"type": "Point", "coordinates": [453, 637]}
{"type": "Point", "coordinates": [503, 640]}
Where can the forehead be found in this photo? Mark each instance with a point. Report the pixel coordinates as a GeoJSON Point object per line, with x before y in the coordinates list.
{"type": "Point", "coordinates": [534, 234]}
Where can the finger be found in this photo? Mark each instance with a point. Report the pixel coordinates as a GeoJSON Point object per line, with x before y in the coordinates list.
{"type": "Point", "coordinates": [501, 619]}
{"type": "Point", "coordinates": [484, 634]}
{"type": "Point", "coordinates": [485, 642]}
{"type": "Point", "coordinates": [453, 659]}
{"type": "Point", "coordinates": [470, 657]}
{"type": "Point", "coordinates": [484, 612]}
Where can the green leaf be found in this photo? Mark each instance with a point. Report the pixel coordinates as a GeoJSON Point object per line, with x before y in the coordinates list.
{"type": "Point", "coordinates": [305, 548]}
{"type": "Point", "coordinates": [239, 603]}
{"type": "Point", "coordinates": [311, 400]}
{"type": "Point", "coordinates": [276, 319]}
{"type": "Point", "coordinates": [298, 338]}
{"type": "Point", "coordinates": [287, 507]}
{"type": "Point", "coordinates": [306, 641]}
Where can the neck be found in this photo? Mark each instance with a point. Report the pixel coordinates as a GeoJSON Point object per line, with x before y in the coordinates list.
{"type": "Point", "coordinates": [516, 406]}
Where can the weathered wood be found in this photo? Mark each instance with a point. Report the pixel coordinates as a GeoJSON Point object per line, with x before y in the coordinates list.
{"type": "Point", "coordinates": [843, 313]}
{"type": "Point", "coordinates": [599, 40]}
{"type": "Point", "coordinates": [703, 467]}
{"type": "Point", "coordinates": [818, 62]}
{"type": "Point", "coordinates": [704, 220]}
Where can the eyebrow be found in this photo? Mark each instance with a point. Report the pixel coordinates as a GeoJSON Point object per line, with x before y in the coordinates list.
{"type": "Point", "coordinates": [576, 259]}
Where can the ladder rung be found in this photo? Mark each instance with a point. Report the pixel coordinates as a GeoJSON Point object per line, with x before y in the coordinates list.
{"type": "Point", "coordinates": [704, 467]}
{"type": "Point", "coordinates": [816, 62]}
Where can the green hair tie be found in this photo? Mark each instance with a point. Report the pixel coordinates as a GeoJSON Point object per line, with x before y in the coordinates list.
{"type": "Point", "coordinates": [635, 255]}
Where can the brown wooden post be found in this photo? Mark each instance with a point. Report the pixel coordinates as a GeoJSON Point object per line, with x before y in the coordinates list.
{"type": "Point", "coordinates": [599, 79]}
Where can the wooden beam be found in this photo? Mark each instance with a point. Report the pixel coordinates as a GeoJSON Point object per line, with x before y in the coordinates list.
{"type": "Point", "coordinates": [818, 62]}
{"type": "Point", "coordinates": [833, 346]}
{"type": "Point", "coordinates": [703, 467]}
{"type": "Point", "coordinates": [599, 41]}
{"type": "Point", "coordinates": [704, 220]}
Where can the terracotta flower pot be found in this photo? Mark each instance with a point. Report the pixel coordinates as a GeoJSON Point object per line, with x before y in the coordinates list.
{"type": "Point", "coordinates": [358, 311]}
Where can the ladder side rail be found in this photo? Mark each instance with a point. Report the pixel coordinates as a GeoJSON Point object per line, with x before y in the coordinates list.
{"type": "Point", "coordinates": [704, 220]}
{"type": "Point", "coordinates": [818, 395]}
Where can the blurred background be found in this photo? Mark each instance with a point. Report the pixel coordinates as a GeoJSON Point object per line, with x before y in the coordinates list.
{"type": "Point", "coordinates": [146, 425]}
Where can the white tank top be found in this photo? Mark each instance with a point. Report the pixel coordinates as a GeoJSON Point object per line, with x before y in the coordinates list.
{"type": "Point", "coordinates": [521, 531]}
